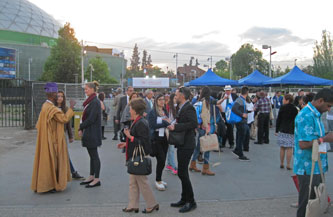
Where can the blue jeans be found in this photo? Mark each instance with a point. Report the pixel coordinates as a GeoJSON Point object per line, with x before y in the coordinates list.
{"type": "Point", "coordinates": [197, 148]}
{"type": "Point", "coordinates": [171, 157]}
{"type": "Point", "coordinates": [242, 129]}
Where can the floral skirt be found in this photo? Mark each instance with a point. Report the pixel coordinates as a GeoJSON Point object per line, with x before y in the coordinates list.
{"type": "Point", "coordinates": [286, 140]}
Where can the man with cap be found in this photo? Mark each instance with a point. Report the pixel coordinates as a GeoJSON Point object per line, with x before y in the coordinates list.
{"type": "Point", "coordinates": [228, 97]}
{"type": "Point", "coordinates": [51, 170]}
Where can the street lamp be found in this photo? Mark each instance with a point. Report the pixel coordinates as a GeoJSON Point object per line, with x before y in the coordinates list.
{"type": "Point", "coordinates": [29, 65]}
{"type": "Point", "coordinates": [270, 61]}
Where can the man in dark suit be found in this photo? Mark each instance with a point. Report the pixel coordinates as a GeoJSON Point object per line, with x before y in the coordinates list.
{"type": "Point", "coordinates": [122, 103]}
{"type": "Point", "coordinates": [149, 101]}
{"type": "Point", "coordinates": [187, 122]}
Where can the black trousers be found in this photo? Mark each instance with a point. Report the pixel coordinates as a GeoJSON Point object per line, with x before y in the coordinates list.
{"type": "Point", "coordinates": [303, 196]}
{"type": "Point", "coordinates": [263, 128]}
{"type": "Point", "coordinates": [229, 135]}
{"type": "Point", "coordinates": [161, 149]}
{"type": "Point", "coordinates": [95, 163]}
{"type": "Point", "coordinates": [116, 127]}
{"type": "Point", "coordinates": [184, 157]}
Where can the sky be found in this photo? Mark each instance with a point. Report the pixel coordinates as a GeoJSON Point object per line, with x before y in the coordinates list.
{"type": "Point", "coordinates": [198, 28]}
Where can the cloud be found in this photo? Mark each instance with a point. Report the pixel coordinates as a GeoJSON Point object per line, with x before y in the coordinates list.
{"type": "Point", "coordinates": [206, 34]}
{"type": "Point", "coordinates": [273, 36]}
{"type": "Point", "coordinates": [162, 52]}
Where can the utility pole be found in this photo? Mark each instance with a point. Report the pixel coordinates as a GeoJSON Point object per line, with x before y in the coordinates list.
{"type": "Point", "coordinates": [29, 65]}
{"type": "Point", "coordinates": [82, 63]}
{"type": "Point", "coordinates": [176, 56]}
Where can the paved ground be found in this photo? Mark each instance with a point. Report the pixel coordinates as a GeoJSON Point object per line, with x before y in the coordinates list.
{"type": "Point", "coordinates": [256, 188]}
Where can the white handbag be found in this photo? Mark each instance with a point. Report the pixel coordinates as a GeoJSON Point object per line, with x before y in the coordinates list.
{"type": "Point", "coordinates": [318, 206]}
{"type": "Point", "coordinates": [209, 143]}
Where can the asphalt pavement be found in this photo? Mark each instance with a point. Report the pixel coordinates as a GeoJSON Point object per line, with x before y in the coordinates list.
{"type": "Point", "coordinates": [255, 188]}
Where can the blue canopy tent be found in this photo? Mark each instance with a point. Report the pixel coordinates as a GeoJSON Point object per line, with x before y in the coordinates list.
{"type": "Point", "coordinates": [210, 79]}
{"type": "Point", "coordinates": [298, 77]}
{"type": "Point", "coordinates": [256, 78]}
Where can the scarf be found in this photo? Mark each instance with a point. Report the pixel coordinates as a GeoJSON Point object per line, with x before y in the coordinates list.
{"type": "Point", "coordinates": [85, 105]}
{"type": "Point", "coordinates": [127, 140]}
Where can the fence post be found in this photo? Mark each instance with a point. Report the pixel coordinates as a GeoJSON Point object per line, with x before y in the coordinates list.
{"type": "Point", "coordinates": [28, 112]}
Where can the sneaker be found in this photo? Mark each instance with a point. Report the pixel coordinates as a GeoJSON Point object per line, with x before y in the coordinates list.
{"type": "Point", "coordinates": [164, 183]}
{"type": "Point", "coordinates": [243, 158]}
{"type": "Point", "coordinates": [174, 171]}
{"type": "Point", "coordinates": [168, 167]}
{"type": "Point", "coordinates": [235, 153]}
{"type": "Point", "coordinates": [159, 186]}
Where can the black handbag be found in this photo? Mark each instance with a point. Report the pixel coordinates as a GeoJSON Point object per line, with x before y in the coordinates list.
{"type": "Point", "coordinates": [177, 138]}
{"type": "Point", "coordinates": [139, 164]}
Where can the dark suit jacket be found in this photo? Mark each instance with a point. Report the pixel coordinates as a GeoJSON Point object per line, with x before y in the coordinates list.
{"type": "Point", "coordinates": [153, 125]}
{"type": "Point", "coordinates": [285, 122]}
{"type": "Point", "coordinates": [121, 106]}
{"type": "Point", "coordinates": [187, 121]}
{"type": "Point", "coordinates": [91, 127]}
{"type": "Point", "coordinates": [148, 108]}
{"type": "Point", "coordinates": [140, 131]}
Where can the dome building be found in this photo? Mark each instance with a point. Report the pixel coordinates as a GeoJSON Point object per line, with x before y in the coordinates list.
{"type": "Point", "coordinates": [32, 32]}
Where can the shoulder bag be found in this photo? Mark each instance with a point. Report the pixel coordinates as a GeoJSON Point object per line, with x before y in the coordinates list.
{"type": "Point", "coordinates": [209, 142]}
{"type": "Point", "coordinates": [318, 206]}
{"type": "Point", "coordinates": [139, 164]}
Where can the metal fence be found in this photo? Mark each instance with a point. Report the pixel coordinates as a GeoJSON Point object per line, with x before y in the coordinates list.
{"type": "Point", "coordinates": [72, 91]}
{"type": "Point", "coordinates": [14, 96]}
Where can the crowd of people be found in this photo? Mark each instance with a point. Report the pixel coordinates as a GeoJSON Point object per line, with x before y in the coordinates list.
{"type": "Point", "coordinates": [147, 119]}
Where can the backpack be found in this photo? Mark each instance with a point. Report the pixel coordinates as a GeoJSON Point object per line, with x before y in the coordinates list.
{"type": "Point", "coordinates": [230, 116]}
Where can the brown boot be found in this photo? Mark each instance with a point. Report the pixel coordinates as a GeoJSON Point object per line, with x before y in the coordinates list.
{"type": "Point", "coordinates": [193, 167]}
{"type": "Point", "coordinates": [206, 171]}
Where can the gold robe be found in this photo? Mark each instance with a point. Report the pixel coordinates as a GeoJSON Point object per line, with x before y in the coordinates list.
{"type": "Point", "coordinates": [51, 165]}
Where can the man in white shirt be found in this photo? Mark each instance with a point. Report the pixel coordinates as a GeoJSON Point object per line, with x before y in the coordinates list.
{"type": "Point", "coordinates": [228, 97]}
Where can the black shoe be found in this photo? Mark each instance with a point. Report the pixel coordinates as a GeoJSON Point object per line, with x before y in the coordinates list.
{"type": "Point", "coordinates": [85, 183]}
{"type": "Point", "coordinates": [243, 158]}
{"type": "Point", "coordinates": [52, 191]}
{"type": "Point", "coordinates": [95, 185]}
{"type": "Point", "coordinates": [104, 138]}
{"type": "Point", "coordinates": [258, 143]}
{"type": "Point", "coordinates": [235, 153]}
{"type": "Point", "coordinates": [246, 150]}
{"type": "Point", "coordinates": [188, 207]}
{"type": "Point", "coordinates": [76, 175]}
{"type": "Point", "coordinates": [266, 142]}
{"type": "Point", "coordinates": [156, 207]}
{"type": "Point", "coordinates": [231, 146]}
{"type": "Point", "coordinates": [178, 204]}
{"type": "Point", "coordinates": [115, 138]}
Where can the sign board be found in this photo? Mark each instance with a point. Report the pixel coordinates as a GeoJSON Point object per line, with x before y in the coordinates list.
{"type": "Point", "coordinates": [151, 82]}
{"type": "Point", "coordinates": [7, 63]}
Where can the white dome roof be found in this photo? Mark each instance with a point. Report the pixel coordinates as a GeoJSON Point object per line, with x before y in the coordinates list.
{"type": "Point", "coordinates": [23, 16]}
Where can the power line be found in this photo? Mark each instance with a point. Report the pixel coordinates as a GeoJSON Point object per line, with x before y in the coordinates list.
{"type": "Point", "coordinates": [160, 51]}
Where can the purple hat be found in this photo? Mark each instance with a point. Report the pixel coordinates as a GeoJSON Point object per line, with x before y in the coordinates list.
{"type": "Point", "coordinates": [51, 87]}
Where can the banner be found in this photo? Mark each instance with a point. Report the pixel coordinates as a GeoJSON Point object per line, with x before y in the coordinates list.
{"type": "Point", "coordinates": [151, 82]}
{"type": "Point", "coordinates": [7, 63]}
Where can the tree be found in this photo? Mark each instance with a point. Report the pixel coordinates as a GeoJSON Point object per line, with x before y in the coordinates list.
{"type": "Point", "coordinates": [246, 59]}
{"type": "Point", "coordinates": [323, 57]}
{"type": "Point", "coordinates": [144, 60]}
{"type": "Point", "coordinates": [149, 62]}
{"type": "Point", "coordinates": [135, 60]}
{"type": "Point", "coordinates": [197, 62]}
{"type": "Point", "coordinates": [100, 71]}
{"type": "Point", "coordinates": [65, 59]}
{"type": "Point", "coordinates": [221, 65]}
